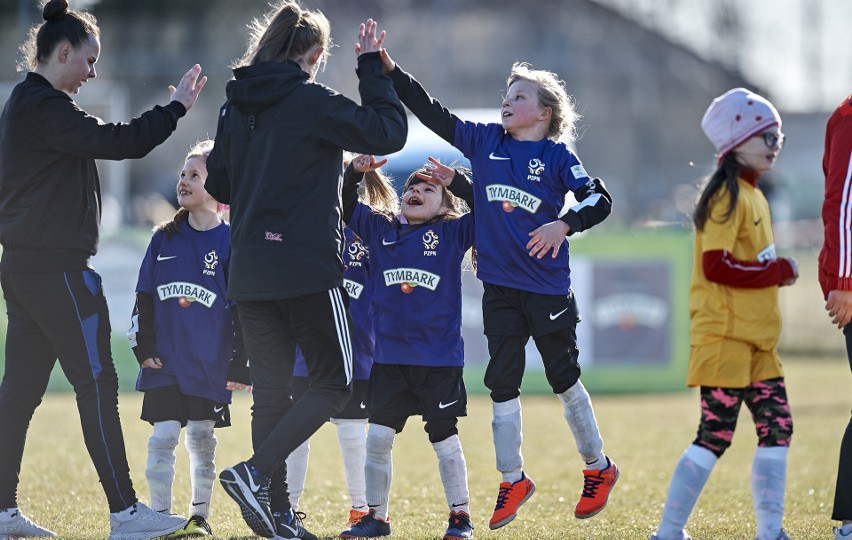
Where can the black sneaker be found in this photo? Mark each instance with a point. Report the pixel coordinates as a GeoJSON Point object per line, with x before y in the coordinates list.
{"type": "Point", "coordinates": [288, 526]}
{"type": "Point", "coordinates": [250, 489]}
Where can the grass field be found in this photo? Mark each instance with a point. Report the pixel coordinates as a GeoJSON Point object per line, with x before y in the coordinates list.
{"type": "Point", "coordinates": [645, 434]}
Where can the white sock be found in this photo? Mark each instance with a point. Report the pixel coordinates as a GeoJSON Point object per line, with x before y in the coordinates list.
{"type": "Point", "coordinates": [128, 513]}
{"type": "Point", "coordinates": [200, 441]}
{"type": "Point", "coordinates": [160, 470]}
{"type": "Point", "coordinates": [297, 470]}
{"type": "Point", "coordinates": [690, 475]}
{"type": "Point", "coordinates": [577, 408]}
{"type": "Point", "coordinates": [352, 437]}
{"type": "Point", "coordinates": [451, 464]}
{"type": "Point", "coordinates": [768, 485]}
{"type": "Point", "coordinates": [378, 468]}
{"type": "Point", "coordinates": [507, 429]}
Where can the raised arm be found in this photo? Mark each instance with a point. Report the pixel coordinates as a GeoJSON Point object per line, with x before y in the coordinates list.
{"type": "Point", "coordinates": [427, 109]}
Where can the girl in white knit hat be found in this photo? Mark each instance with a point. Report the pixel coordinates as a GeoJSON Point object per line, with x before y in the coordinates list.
{"type": "Point", "coordinates": [735, 320]}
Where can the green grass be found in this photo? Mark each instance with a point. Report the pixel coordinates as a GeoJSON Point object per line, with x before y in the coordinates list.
{"type": "Point", "coordinates": [645, 434]}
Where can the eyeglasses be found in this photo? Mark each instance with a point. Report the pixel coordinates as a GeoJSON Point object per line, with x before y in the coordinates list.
{"type": "Point", "coordinates": [772, 139]}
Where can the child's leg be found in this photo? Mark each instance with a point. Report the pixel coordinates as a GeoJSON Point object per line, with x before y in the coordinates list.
{"type": "Point", "coordinates": [297, 470]}
{"type": "Point", "coordinates": [719, 410]}
{"type": "Point", "coordinates": [503, 377]}
{"type": "Point", "coordinates": [443, 434]}
{"type": "Point", "coordinates": [506, 427]}
{"type": "Point", "coordinates": [201, 442]}
{"type": "Point", "coordinates": [578, 411]}
{"type": "Point", "coordinates": [767, 401]}
{"type": "Point", "coordinates": [160, 470]}
{"type": "Point", "coordinates": [378, 467]}
{"type": "Point", "coordinates": [559, 354]}
{"type": "Point", "coordinates": [353, 447]}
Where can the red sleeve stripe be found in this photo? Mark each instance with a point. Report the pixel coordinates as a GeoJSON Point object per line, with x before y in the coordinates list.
{"type": "Point", "coordinates": [843, 225]}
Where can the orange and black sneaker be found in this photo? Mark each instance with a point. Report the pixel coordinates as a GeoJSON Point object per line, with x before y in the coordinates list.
{"type": "Point", "coordinates": [509, 499]}
{"type": "Point", "coordinates": [596, 488]}
{"type": "Point", "coordinates": [355, 516]}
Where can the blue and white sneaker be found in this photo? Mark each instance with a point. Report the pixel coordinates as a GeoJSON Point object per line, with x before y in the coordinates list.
{"type": "Point", "coordinates": [14, 524]}
{"type": "Point", "coordinates": [460, 527]}
{"type": "Point", "coordinates": [368, 526]}
{"type": "Point", "coordinates": [288, 526]}
{"type": "Point", "coordinates": [250, 489]}
{"type": "Point", "coordinates": [839, 534]}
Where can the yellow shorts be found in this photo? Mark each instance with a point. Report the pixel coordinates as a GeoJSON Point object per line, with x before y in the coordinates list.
{"type": "Point", "coordinates": [728, 363]}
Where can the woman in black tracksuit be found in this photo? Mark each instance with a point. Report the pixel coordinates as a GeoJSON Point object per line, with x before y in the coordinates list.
{"type": "Point", "coordinates": [278, 162]}
{"type": "Point", "coordinates": [49, 218]}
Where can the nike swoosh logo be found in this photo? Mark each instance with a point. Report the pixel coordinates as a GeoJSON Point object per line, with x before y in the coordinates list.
{"type": "Point", "coordinates": [554, 316]}
{"type": "Point", "coordinates": [460, 504]}
{"type": "Point", "coordinates": [497, 158]}
{"type": "Point", "coordinates": [363, 406]}
{"type": "Point", "coordinates": [757, 222]}
{"type": "Point", "coordinates": [442, 405]}
{"type": "Point", "coordinates": [196, 504]}
{"type": "Point", "coordinates": [161, 258]}
{"type": "Point", "coordinates": [252, 486]}
{"type": "Point", "coordinates": [386, 243]}
{"type": "Point", "coordinates": [218, 409]}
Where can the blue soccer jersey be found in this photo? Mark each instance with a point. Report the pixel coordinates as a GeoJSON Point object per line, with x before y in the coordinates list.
{"type": "Point", "coordinates": [186, 274]}
{"type": "Point", "coordinates": [518, 187]}
{"type": "Point", "coordinates": [356, 273]}
{"type": "Point", "coordinates": [415, 282]}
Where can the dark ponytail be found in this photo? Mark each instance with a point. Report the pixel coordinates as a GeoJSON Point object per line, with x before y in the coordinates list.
{"type": "Point", "coordinates": [725, 176]}
{"type": "Point", "coordinates": [60, 24]}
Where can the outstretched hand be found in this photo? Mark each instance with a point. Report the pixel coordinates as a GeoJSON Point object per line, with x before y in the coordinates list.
{"type": "Point", "coordinates": [367, 40]}
{"type": "Point", "coordinates": [188, 88]}
{"type": "Point", "coordinates": [437, 173]}
{"type": "Point", "coordinates": [365, 163]}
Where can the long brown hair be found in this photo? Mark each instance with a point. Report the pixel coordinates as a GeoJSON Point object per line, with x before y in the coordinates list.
{"type": "Point", "coordinates": [60, 24]}
{"type": "Point", "coordinates": [202, 150]}
{"type": "Point", "coordinates": [286, 32]}
{"type": "Point", "coordinates": [725, 176]}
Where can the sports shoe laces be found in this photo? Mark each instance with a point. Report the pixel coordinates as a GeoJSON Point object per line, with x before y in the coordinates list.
{"type": "Point", "coordinates": [503, 496]}
{"type": "Point", "coordinates": [590, 486]}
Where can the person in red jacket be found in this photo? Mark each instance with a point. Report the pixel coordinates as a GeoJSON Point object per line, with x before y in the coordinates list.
{"type": "Point", "coordinates": [835, 275]}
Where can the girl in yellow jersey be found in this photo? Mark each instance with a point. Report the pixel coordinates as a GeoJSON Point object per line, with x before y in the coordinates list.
{"type": "Point", "coordinates": [735, 320]}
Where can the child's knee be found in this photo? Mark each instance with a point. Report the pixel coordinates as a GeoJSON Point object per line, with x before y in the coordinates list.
{"type": "Point", "coordinates": [200, 436]}
{"type": "Point", "coordinates": [441, 429]}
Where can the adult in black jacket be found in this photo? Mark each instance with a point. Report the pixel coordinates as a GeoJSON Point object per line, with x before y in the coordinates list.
{"type": "Point", "coordinates": [278, 162]}
{"type": "Point", "coordinates": [49, 215]}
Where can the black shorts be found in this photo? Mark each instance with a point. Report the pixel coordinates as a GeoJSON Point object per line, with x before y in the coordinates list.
{"type": "Point", "coordinates": [397, 392]}
{"type": "Point", "coordinates": [168, 403]}
{"type": "Point", "coordinates": [512, 312]}
{"type": "Point", "coordinates": [355, 408]}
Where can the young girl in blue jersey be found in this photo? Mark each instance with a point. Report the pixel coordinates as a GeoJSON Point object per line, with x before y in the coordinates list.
{"type": "Point", "coordinates": [352, 419]}
{"type": "Point", "coordinates": [183, 336]}
{"type": "Point", "coordinates": [523, 173]}
{"type": "Point", "coordinates": [415, 281]}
